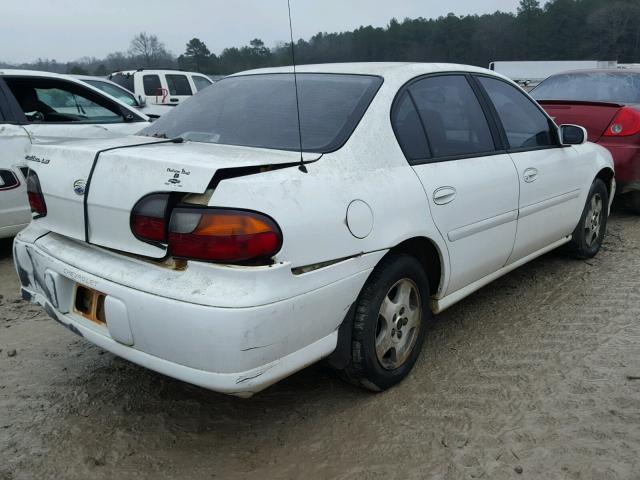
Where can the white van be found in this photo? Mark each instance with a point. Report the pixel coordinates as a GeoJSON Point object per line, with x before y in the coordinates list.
{"type": "Point", "coordinates": [161, 87]}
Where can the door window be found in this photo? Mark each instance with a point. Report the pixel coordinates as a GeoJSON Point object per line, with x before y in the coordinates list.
{"type": "Point", "coordinates": [524, 124]}
{"type": "Point", "coordinates": [452, 116]}
{"type": "Point", "coordinates": [45, 100]}
{"type": "Point", "coordinates": [178, 85]}
{"type": "Point", "coordinates": [152, 86]}
{"type": "Point", "coordinates": [200, 82]}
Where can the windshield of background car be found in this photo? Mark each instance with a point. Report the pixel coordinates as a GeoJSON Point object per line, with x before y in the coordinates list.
{"type": "Point", "coordinates": [114, 91]}
{"type": "Point", "coordinates": [260, 111]}
{"type": "Point", "coordinates": [620, 87]}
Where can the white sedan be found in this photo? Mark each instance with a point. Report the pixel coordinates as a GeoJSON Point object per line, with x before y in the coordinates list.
{"type": "Point", "coordinates": [228, 248]}
{"type": "Point", "coordinates": [42, 107]}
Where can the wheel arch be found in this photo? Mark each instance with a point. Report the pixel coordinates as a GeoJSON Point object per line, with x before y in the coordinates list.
{"type": "Point", "coordinates": [430, 256]}
{"type": "Point", "coordinates": [607, 174]}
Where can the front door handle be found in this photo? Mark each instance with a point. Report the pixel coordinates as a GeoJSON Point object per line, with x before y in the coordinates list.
{"type": "Point", "coordinates": [444, 195]}
{"type": "Point", "coordinates": [530, 175]}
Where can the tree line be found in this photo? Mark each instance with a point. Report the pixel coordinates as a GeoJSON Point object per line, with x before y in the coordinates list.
{"type": "Point", "coordinates": [555, 30]}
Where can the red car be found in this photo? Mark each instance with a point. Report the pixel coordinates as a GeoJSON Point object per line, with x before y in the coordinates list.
{"type": "Point", "coordinates": [607, 104]}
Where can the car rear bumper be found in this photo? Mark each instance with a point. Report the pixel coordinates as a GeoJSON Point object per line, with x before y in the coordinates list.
{"type": "Point", "coordinates": [237, 351]}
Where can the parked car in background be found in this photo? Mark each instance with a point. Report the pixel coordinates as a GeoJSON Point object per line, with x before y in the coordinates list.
{"type": "Point", "coordinates": [240, 249]}
{"type": "Point", "coordinates": [111, 88]}
{"type": "Point", "coordinates": [607, 104]}
{"type": "Point", "coordinates": [43, 107]}
{"type": "Point", "coordinates": [161, 87]}
{"type": "Point", "coordinates": [528, 74]}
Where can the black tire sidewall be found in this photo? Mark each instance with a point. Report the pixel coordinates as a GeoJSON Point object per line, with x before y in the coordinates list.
{"type": "Point", "coordinates": [579, 239]}
{"type": "Point", "coordinates": [372, 374]}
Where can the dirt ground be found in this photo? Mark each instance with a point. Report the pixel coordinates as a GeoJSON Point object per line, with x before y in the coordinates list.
{"type": "Point", "coordinates": [537, 376]}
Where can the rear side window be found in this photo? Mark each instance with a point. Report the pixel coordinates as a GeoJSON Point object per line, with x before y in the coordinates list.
{"type": "Point", "coordinates": [525, 125]}
{"type": "Point", "coordinates": [201, 82]}
{"type": "Point", "coordinates": [452, 116]}
{"type": "Point", "coordinates": [408, 128]}
{"type": "Point", "coordinates": [178, 85]}
{"type": "Point", "coordinates": [152, 86]}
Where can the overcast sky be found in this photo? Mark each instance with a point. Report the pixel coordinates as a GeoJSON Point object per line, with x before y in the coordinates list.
{"type": "Point", "coordinates": [66, 30]}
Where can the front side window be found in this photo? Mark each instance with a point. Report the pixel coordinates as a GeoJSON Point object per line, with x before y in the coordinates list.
{"type": "Point", "coordinates": [260, 111]}
{"type": "Point", "coordinates": [152, 86]}
{"type": "Point", "coordinates": [46, 100]}
{"type": "Point", "coordinates": [525, 125]}
{"type": "Point", "coordinates": [452, 116]}
{"type": "Point", "coordinates": [201, 82]}
{"type": "Point", "coordinates": [178, 85]}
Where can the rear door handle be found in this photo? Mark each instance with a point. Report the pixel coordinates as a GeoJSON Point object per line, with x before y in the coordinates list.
{"type": "Point", "coordinates": [530, 175]}
{"type": "Point", "coordinates": [444, 195]}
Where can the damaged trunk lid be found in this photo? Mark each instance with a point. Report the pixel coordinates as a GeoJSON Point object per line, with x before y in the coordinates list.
{"type": "Point", "coordinates": [125, 174]}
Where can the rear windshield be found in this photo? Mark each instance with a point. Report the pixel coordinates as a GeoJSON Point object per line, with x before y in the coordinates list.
{"type": "Point", "coordinates": [620, 87]}
{"type": "Point", "coordinates": [260, 111]}
{"type": "Point", "coordinates": [124, 80]}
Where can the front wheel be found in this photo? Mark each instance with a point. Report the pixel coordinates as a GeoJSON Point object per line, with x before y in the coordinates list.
{"type": "Point", "coordinates": [391, 317]}
{"type": "Point", "coordinates": [589, 234]}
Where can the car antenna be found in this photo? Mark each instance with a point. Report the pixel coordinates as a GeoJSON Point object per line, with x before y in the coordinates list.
{"type": "Point", "coordinates": [302, 166]}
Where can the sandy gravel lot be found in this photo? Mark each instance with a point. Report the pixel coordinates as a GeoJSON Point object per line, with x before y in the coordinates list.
{"type": "Point", "coordinates": [537, 376]}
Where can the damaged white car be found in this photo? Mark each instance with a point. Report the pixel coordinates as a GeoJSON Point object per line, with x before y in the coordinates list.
{"type": "Point", "coordinates": [43, 107]}
{"type": "Point", "coordinates": [216, 251]}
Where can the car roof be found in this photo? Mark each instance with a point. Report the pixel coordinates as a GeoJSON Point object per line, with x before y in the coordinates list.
{"type": "Point", "coordinates": [599, 70]}
{"type": "Point", "coordinates": [33, 73]}
{"type": "Point", "coordinates": [387, 70]}
{"type": "Point", "coordinates": [156, 71]}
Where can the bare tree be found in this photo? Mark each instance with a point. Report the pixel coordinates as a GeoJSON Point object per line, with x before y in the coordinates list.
{"type": "Point", "coordinates": [148, 49]}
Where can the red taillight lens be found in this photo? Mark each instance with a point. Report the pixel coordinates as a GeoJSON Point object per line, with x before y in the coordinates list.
{"type": "Point", "coordinates": [148, 218]}
{"type": "Point", "coordinates": [220, 235]}
{"type": "Point", "coordinates": [625, 123]}
{"type": "Point", "coordinates": [36, 199]}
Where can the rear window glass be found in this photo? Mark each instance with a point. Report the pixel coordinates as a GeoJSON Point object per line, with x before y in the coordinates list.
{"type": "Point", "coordinates": [123, 80]}
{"type": "Point", "coordinates": [622, 87]}
{"type": "Point", "coordinates": [152, 85]}
{"type": "Point", "coordinates": [178, 85]}
{"type": "Point", "coordinates": [260, 111]}
{"type": "Point", "coordinates": [201, 82]}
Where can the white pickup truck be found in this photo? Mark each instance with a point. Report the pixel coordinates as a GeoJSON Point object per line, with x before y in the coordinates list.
{"type": "Point", "coordinates": [161, 87]}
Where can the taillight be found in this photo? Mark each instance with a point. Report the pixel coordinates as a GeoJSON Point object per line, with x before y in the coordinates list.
{"type": "Point", "coordinates": [223, 235]}
{"type": "Point", "coordinates": [149, 218]}
{"type": "Point", "coordinates": [625, 123]}
{"type": "Point", "coordinates": [36, 199]}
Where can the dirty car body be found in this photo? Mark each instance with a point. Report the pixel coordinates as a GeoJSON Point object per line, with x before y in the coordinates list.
{"type": "Point", "coordinates": [128, 223]}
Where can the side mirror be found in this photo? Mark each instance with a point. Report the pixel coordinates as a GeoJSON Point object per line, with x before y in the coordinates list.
{"type": "Point", "coordinates": [141, 101]}
{"type": "Point", "coordinates": [572, 135]}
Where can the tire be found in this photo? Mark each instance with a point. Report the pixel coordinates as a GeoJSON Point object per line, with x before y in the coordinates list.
{"type": "Point", "coordinates": [589, 234]}
{"type": "Point", "coordinates": [634, 202]}
{"type": "Point", "coordinates": [380, 358]}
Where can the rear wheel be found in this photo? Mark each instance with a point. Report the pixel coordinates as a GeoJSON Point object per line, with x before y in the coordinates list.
{"type": "Point", "coordinates": [391, 317]}
{"type": "Point", "coordinates": [589, 234]}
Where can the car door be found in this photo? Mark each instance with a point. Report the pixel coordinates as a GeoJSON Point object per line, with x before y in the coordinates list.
{"type": "Point", "coordinates": [472, 187]}
{"type": "Point", "coordinates": [178, 86]}
{"type": "Point", "coordinates": [14, 146]}
{"type": "Point", "coordinates": [550, 176]}
{"type": "Point", "coordinates": [55, 109]}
